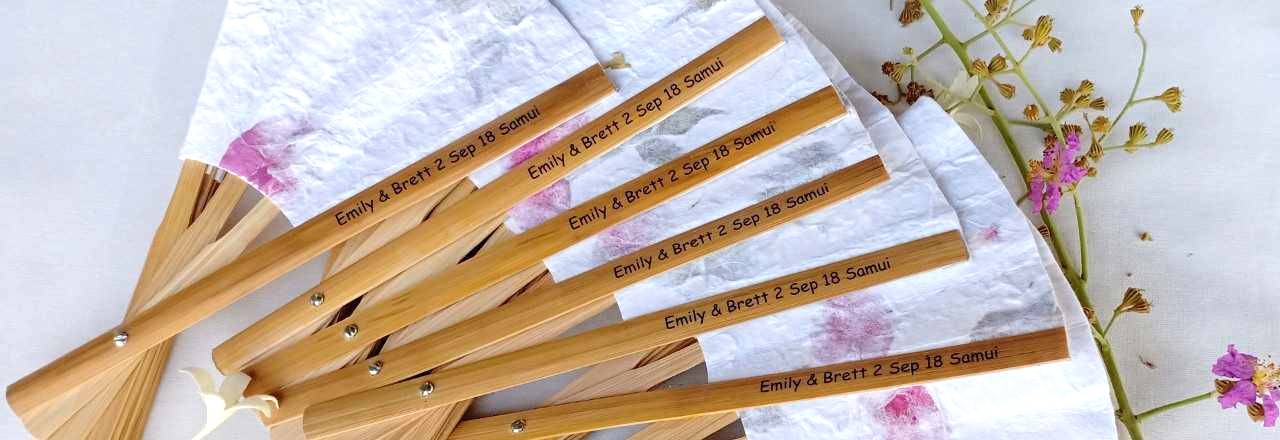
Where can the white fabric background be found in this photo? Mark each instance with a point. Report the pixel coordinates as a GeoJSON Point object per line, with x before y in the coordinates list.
{"type": "Point", "coordinates": [96, 97]}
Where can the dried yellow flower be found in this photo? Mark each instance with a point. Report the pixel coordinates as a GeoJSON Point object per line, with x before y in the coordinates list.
{"type": "Point", "coordinates": [1256, 411]}
{"type": "Point", "coordinates": [1045, 232]}
{"type": "Point", "coordinates": [1222, 386]}
{"type": "Point", "coordinates": [997, 64]}
{"type": "Point", "coordinates": [1055, 45]}
{"type": "Point", "coordinates": [1134, 302]}
{"type": "Point", "coordinates": [911, 12]}
{"type": "Point", "coordinates": [1031, 112]}
{"type": "Point", "coordinates": [1028, 34]}
{"type": "Point", "coordinates": [1072, 128]}
{"type": "Point", "coordinates": [1035, 166]}
{"type": "Point", "coordinates": [1098, 104]}
{"type": "Point", "coordinates": [1100, 124]}
{"type": "Point", "coordinates": [996, 6]}
{"type": "Point", "coordinates": [1136, 13]}
{"type": "Point", "coordinates": [1040, 32]}
{"type": "Point", "coordinates": [1067, 96]}
{"type": "Point", "coordinates": [1006, 90]}
{"type": "Point", "coordinates": [979, 67]}
{"type": "Point", "coordinates": [1086, 88]}
{"type": "Point", "coordinates": [1137, 134]}
{"type": "Point", "coordinates": [1172, 97]}
{"type": "Point", "coordinates": [1145, 236]}
{"type": "Point", "coordinates": [1164, 136]}
{"type": "Point", "coordinates": [1095, 150]}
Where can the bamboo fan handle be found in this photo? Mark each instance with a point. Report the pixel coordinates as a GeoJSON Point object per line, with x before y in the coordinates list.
{"type": "Point", "coordinates": [539, 306]}
{"type": "Point", "coordinates": [638, 113]}
{"type": "Point", "coordinates": [434, 173]}
{"type": "Point", "coordinates": [323, 300]}
{"type": "Point", "coordinates": [652, 330]}
{"type": "Point", "coordinates": [875, 374]}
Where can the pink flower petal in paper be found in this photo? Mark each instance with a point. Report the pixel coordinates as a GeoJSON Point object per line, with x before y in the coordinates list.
{"type": "Point", "coordinates": [540, 143]}
{"type": "Point", "coordinates": [555, 198]}
{"type": "Point", "coordinates": [991, 233]}
{"type": "Point", "coordinates": [626, 237]}
{"type": "Point", "coordinates": [856, 326]}
{"type": "Point", "coordinates": [545, 204]}
{"type": "Point", "coordinates": [261, 154]}
{"type": "Point", "coordinates": [912, 414]}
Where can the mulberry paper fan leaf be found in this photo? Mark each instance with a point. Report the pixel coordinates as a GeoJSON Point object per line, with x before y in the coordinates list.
{"type": "Point", "coordinates": [223, 401]}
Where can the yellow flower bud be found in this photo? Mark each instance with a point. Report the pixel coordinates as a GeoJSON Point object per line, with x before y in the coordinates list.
{"type": "Point", "coordinates": [1134, 302]}
{"type": "Point", "coordinates": [1256, 411]}
{"type": "Point", "coordinates": [1100, 124]}
{"type": "Point", "coordinates": [1136, 13]}
{"type": "Point", "coordinates": [979, 67]}
{"type": "Point", "coordinates": [1007, 90]}
{"type": "Point", "coordinates": [1164, 136]}
{"type": "Point", "coordinates": [1137, 134]}
{"type": "Point", "coordinates": [997, 64]}
{"type": "Point", "coordinates": [1172, 97]}
{"type": "Point", "coordinates": [911, 12]}
{"type": "Point", "coordinates": [1222, 386]}
{"type": "Point", "coordinates": [1031, 112]}
{"type": "Point", "coordinates": [1040, 32]}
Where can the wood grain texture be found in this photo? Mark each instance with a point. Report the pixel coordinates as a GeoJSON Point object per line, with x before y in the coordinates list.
{"type": "Point", "coordinates": [178, 214]}
{"type": "Point", "coordinates": [630, 409]}
{"type": "Point", "coordinates": [638, 334]}
{"type": "Point", "coordinates": [690, 428]}
{"type": "Point", "coordinates": [432, 174]}
{"type": "Point", "coordinates": [530, 247]}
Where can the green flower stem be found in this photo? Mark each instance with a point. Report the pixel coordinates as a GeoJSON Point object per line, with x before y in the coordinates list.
{"type": "Point", "coordinates": [1084, 247]}
{"type": "Point", "coordinates": [1110, 322]}
{"type": "Point", "coordinates": [1137, 81]}
{"type": "Point", "coordinates": [1078, 285]}
{"type": "Point", "coordinates": [1026, 123]}
{"type": "Point", "coordinates": [1175, 405]}
{"type": "Point", "coordinates": [1007, 19]}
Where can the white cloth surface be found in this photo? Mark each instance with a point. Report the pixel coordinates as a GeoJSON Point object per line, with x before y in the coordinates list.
{"type": "Point", "coordinates": [103, 91]}
{"type": "Point", "coordinates": [312, 101]}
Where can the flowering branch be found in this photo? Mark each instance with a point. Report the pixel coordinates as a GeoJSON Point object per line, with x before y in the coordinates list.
{"type": "Point", "coordinates": [1062, 170]}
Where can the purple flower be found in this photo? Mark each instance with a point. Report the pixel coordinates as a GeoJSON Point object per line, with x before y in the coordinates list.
{"type": "Point", "coordinates": [1235, 365]}
{"type": "Point", "coordinates": [1269, 408]}
{"type": "Point", "coordinates": [1058, 169]}
{"type": "Point", "coordinates": [1247, 381]}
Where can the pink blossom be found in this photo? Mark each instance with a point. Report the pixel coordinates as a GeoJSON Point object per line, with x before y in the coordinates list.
{"type": "Point", "coordinates": [1249, 380]}
{"type": "Point", "coordinates": [1056, 171]}
{"type": "Point", "coordinates": [1235, 364]}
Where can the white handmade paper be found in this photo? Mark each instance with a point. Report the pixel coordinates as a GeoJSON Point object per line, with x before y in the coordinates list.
{"type": "Point", "coordinates": [776, 80]}
{"type": "Point", "coordinates": [655, 39]}
{"type": "Point", "coordinates": [311, 101]}
{"type": "Point", "coordinates": [1003, 289]}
